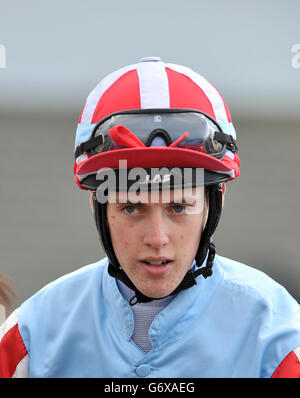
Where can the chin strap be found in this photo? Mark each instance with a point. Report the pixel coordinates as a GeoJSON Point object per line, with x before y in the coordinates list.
{"type": "Point", "coordinates": [206, 246]}
{"type": "Point", "coordinates": [188, 281]}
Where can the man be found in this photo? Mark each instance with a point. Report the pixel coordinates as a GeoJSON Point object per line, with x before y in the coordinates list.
{"type": "Point", "coordinates": [155, 145]}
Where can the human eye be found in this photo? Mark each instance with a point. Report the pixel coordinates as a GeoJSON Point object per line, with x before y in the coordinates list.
{"type": "Point", "coordinates": [178, 209]}
{"type": "Point", "coordinates": [129, 209]}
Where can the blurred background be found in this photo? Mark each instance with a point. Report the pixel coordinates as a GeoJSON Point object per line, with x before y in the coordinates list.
{"type": "Point", "coordinates": [56, 53]}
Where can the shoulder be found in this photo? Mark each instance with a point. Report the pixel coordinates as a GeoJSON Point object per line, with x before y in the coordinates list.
{"type": "Point", "coordinates": [78, 279]}
{"type": "Point", "coordinates": [60, 297]}
{"type": "Point", "coordinates": [240, 273]}
{"type": "Point", "coordinates": [272, 313]}
{"type": "Point", "coordinates": [80, 274]}
{"type": "Point", "coordinates": [256, 285]}
{"type": "Point", "coordinates": [61, 305]}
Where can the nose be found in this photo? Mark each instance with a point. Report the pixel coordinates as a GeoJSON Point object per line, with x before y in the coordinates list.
{"type": "Point", "coordinates": [156, 232]}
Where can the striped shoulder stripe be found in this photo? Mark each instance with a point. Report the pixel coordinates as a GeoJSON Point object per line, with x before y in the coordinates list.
{"type": "Point", "coordinates": [12, 348]}
{"type": "Point", "coordinates": [297, 352]}
{"type": "Point", "coordinates": [289, 367]}
{"type": "Point", "coordinates": [11, 321]}
{"type": "Point", "coordinates": [22, 369]}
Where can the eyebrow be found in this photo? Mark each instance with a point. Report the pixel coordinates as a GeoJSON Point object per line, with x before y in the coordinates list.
{"type": "Point", "coordinates": [189, 202]}
{"type": "Point", "coordinates": [183, 202]}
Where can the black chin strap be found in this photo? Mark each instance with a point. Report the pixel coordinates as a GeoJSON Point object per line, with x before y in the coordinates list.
{"type": "Point", "coordinates": [188, 281]}
{"type": "Point", "coordinates": [206, 247]}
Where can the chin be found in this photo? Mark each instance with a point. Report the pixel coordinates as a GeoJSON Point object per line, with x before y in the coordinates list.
{"type": "Point", "coordinates": [157, 294]}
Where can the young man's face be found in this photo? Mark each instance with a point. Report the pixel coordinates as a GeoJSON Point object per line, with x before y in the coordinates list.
{"type": "Point", "coordinates": [156, 242]}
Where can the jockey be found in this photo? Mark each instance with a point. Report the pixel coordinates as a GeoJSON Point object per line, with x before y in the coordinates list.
{"type": "Point", "coordinates": [155, 146]}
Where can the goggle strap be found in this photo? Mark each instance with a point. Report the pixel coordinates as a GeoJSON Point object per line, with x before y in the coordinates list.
{"type": "Point", "coordinates": [226, 139]}
{"type": "Point", "coordinates": [88, 145]}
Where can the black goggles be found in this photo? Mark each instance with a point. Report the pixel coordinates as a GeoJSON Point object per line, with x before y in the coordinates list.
{"type": "Point", "coordinates": [180, 128]}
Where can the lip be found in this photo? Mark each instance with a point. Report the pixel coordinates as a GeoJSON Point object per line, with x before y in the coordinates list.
{"type": "Point", "coordinates": [156, 270]}
{"type": "Point", "coordinates": [152, 258]}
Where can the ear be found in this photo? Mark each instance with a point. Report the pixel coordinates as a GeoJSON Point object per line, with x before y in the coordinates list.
{"type": "Point", "coordinates": [223, 193]}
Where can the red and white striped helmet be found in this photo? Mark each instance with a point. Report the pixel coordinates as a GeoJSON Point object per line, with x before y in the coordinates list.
{"type": "Point", "coordinates": [153, 84]}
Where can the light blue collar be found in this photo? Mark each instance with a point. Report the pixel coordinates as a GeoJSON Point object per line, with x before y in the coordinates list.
{"type": "Point", "coordinates": [171, 321]}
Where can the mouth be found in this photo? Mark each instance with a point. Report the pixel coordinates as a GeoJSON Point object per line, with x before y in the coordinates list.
{"type": "Point", "coordinates": [157, 266]}
{"type": "Point", "coordinates": [156, 260]}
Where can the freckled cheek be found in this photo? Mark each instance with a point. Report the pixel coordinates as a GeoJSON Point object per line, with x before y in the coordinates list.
{"type": "Point", "coordinates": [119, 235]}
{"type": "Point", "coordinates": [185, 236]}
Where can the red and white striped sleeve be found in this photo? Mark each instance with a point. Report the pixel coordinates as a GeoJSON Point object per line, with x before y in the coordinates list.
{"type": "Point", "coordinates": [13, 354]}
{"type": "Point", "coordinates": [289, 367]}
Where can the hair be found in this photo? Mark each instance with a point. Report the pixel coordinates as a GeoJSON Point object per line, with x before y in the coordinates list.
{"type": "Point", "coordinates": [6, 290]}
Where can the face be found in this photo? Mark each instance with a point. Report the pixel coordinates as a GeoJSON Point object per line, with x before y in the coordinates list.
{"type": "Point", "coordinates": [155, 241]}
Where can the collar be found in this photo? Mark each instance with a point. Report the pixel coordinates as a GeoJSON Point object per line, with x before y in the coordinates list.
{"type": "Point", "coordinates": [172, 320]}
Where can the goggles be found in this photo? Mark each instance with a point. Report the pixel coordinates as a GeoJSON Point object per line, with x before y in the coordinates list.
{"type": "Point", "coordinates": [178, 128]}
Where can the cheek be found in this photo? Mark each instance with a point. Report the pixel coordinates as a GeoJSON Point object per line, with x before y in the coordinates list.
{"type": "Point", "coordinates": [120, 235]}
{"type": "Point", "coordinates": [191, 233]}
{"type": "Point", "coordinates": [189, 239]}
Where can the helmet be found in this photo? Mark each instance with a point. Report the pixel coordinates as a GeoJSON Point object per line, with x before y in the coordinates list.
{"type": "Point", "coordinates": [155, 114]}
